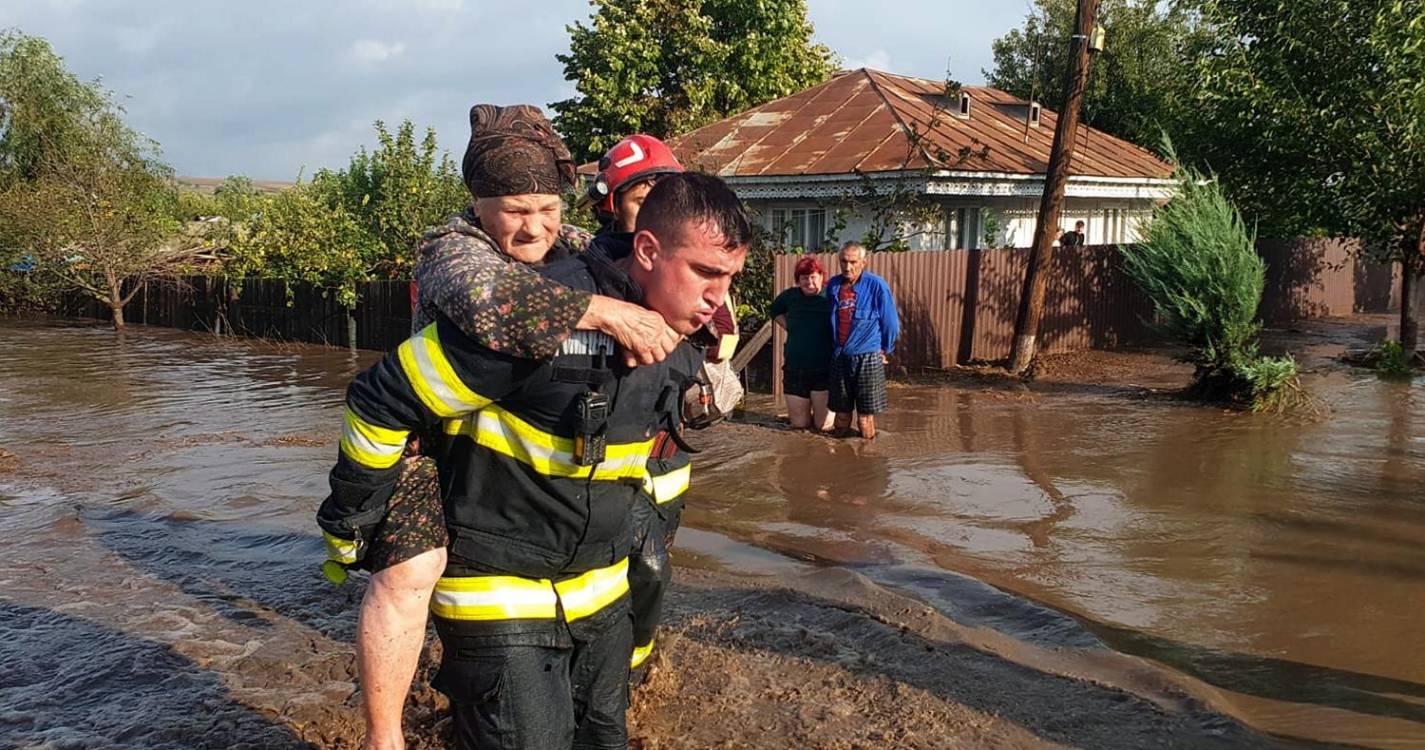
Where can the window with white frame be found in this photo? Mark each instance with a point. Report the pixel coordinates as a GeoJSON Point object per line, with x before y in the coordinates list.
{"type": "Point", "coordinates": [1114, 225]}
{"type": "Point", "coordinates": [928, 235]}
{"type": "Point", "coordinates": [964, 228]}
{"type": "Point", "coordinates": [800, 227]}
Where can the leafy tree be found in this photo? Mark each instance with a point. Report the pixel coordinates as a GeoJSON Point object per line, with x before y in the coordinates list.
{"type": "Point", "coordinates": [1198, 264]}
{"type": "Point", "coordinates": [1137, 86]}
{"type": "Point", "coordinates": [343, 226]}
{"type": "Point", "coordinates": [306, 234]}
{"type": "Point", "coordinates": [399, 191]}
{"type": "Point", "coordinates": [43, 108]}
{"type": "Point", "coordinates": [1313, 113]}
{"type": "Point", "coordinates": [85, 196]}
{"type": "Point", "coordinates": [752, 288]}
{"type": "Point", "coordinates": [664, 67]}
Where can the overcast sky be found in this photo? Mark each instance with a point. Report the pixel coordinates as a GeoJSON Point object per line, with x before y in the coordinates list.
{"type": "Point", "coordinates": [267, 88]}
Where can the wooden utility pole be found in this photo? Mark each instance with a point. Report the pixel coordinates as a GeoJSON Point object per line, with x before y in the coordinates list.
{"type": "Point", "coordinates": [1031, 301]}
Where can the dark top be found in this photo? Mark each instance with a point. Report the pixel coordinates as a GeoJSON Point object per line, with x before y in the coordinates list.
{"type": "Point", "coordinates": [1071, 239]}
{"type": "Point", "coordinates": [808, 329]}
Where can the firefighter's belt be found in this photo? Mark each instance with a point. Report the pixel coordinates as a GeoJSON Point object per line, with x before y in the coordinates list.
{"type": "Point", "coordinates": [486, 598]}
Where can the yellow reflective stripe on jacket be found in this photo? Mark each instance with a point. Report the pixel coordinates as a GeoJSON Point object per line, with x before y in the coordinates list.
{"type": "Point", "coordinates": [341, 550]}
{"type": "Point", "coordinates": [551, 455]}
{"type": "Point", "coordinates": [493, 598]}
{"type": "Point", "coordinates": [665, 488]}
{"type": "Point", "coordinates": [370, 445]}
{"type": "Point", "coordinates": [514, 598]}
{"type": "Point", "coordinates": [592, 591]}
{"type": "Point", "coordinates": [433, 378]}
{"type": "Point", "coordinates": [640, 654]}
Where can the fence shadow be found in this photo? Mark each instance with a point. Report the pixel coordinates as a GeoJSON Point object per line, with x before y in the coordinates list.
{"type": "Point", "coordinates": [1276, 679]}
{"type": "Point", "coordinates": [1376, 287]}
{"type": "Point", "coordinates": [806, 627]}
{"type": "Point", "coordinates": [243, 571]}
{"type": "Point", "coordinates": [1304, 280]}
{"type": "Point", "coordinates": [70, 682]}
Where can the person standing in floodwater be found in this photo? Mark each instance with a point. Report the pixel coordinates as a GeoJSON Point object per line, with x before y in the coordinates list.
{"type": "Point", "coordinates": [864, 325]}
{"type": "Point", "coordinates": [805, 312]}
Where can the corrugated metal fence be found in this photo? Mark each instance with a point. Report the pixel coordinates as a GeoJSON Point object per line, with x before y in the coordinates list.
{"type": "Point", "coordinates": [958, 306]}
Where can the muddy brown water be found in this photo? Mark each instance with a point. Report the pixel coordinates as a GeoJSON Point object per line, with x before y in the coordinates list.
{"type": "Point", "coordinates": [159, 570]}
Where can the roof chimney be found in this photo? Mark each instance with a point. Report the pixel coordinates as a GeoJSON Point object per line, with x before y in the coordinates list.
{"type": "Point", "coordinates": [964, 111]}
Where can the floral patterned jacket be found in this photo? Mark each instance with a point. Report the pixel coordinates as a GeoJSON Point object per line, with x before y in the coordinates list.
{"type": "Point", "coordinates": [501, 303]}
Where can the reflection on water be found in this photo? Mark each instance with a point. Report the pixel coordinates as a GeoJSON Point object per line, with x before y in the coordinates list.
{"type": "Point", "coordinates": [167, 485]}
{"type": "Point", "coordinates": [1282, 562]}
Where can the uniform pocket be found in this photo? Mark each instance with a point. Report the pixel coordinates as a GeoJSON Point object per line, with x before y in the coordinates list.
{"type": "Point", "coordinates": [473, 676]}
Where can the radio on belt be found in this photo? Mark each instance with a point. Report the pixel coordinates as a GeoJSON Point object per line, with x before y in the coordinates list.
{"type": "Point", "coordinates": [592, 410]}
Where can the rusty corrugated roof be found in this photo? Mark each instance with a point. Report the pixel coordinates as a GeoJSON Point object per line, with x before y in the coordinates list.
{"type": "Point", "coordinates": [866, 120]}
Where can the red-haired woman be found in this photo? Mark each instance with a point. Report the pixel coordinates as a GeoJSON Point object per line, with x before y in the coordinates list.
{"type": "Point", "coordinates": [805, 311]}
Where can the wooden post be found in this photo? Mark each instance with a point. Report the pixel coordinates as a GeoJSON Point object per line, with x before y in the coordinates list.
{"type": "Point", "coordinates": [741, 359]}
{"type": "Point", "coordinates": [1041, 255]}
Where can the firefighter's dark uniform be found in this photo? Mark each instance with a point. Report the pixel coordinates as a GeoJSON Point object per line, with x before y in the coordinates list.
{"type": "Point", "coordinates": [656, 513]}
{"type": "Point", "coordinates": [533, 611]}
{"type": "Point", "coordinates": [656, 516]}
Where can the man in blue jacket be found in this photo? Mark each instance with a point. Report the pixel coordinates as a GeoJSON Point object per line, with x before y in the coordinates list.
{"type": "Point", "coordinates": [864, 325]}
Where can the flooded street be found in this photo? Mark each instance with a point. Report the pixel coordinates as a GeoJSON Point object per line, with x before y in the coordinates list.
{"type": "Point", "coordinates": [160, 584]}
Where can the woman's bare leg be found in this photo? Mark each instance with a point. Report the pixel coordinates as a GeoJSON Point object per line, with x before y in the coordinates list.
{"type": "Point", "coordinates": [389, 635]}
{"type": "Point", "coordinates": [820, 415]}
{"type": "Point", "coordinates": [798, 411]}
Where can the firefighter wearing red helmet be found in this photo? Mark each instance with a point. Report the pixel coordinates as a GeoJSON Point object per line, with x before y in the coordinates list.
{"type": "Point", "coordinates": [626, 174]}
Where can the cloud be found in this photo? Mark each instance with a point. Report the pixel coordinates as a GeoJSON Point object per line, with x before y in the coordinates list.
{"type": "Point", "coordinates": [63, 6]}
{"type": "Point", "coordinates": [425, 6]}
{"type": "Point", "coordinates": [136, 40]}
{"type": "Point", "coordinates": [372, 51]}
{"type": "Point", "coordinates": [264, 87]}
{"type": "Point", "coordinates": [439, 6]}
{"type": "Point", "coordinates": [877, 60]}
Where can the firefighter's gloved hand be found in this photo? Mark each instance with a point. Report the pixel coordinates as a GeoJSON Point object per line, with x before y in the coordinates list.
{"type": "Point", "coordinates": [343, 556]}
{"type": "Point", "coordinates": [347, 535]}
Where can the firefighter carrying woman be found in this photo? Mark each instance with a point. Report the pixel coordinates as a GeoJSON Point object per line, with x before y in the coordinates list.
{"type": "Point", "coordinates": [515, 303]}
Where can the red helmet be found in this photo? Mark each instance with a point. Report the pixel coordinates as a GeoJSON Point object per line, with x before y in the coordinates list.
{"type": "Point", "coordinates": [629, 162]}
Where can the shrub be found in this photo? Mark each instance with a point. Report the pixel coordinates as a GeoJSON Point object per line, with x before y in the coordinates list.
{"type": "Point", "coordinates": [1272, 383]}
{"type": "Point", "coordinates": [1199, 266]}
{"type": "Point", "coordinates": [1391, 361]}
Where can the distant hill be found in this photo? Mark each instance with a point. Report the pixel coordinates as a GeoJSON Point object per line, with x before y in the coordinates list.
{"type": "Point", "coordinates": [209, 184]}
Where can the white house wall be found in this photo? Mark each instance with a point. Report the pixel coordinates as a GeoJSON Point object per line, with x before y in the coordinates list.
{"type": "Point", "coordinates": [1106, 220]}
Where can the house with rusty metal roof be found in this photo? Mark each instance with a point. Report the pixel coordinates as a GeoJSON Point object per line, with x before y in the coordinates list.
{"type": "Point", "coordinates": [973, 160]}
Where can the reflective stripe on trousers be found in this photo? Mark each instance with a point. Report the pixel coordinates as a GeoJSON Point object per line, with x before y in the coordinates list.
{"type": "Point", "coordinates": [640, 655]}
{"type": "Point", "coordinates": [512, 598]}
{"type": "Point", "coordinates": [665, 488]}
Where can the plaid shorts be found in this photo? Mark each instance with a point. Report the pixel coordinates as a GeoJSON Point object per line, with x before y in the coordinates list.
{"type": "Point", "coordinates": [858, 382]}
{"type": "Point", "coordinates": [415, 519]}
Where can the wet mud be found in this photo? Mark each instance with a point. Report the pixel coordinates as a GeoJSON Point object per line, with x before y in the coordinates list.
{"type": "Point", "coordinates": [1086, 562]}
